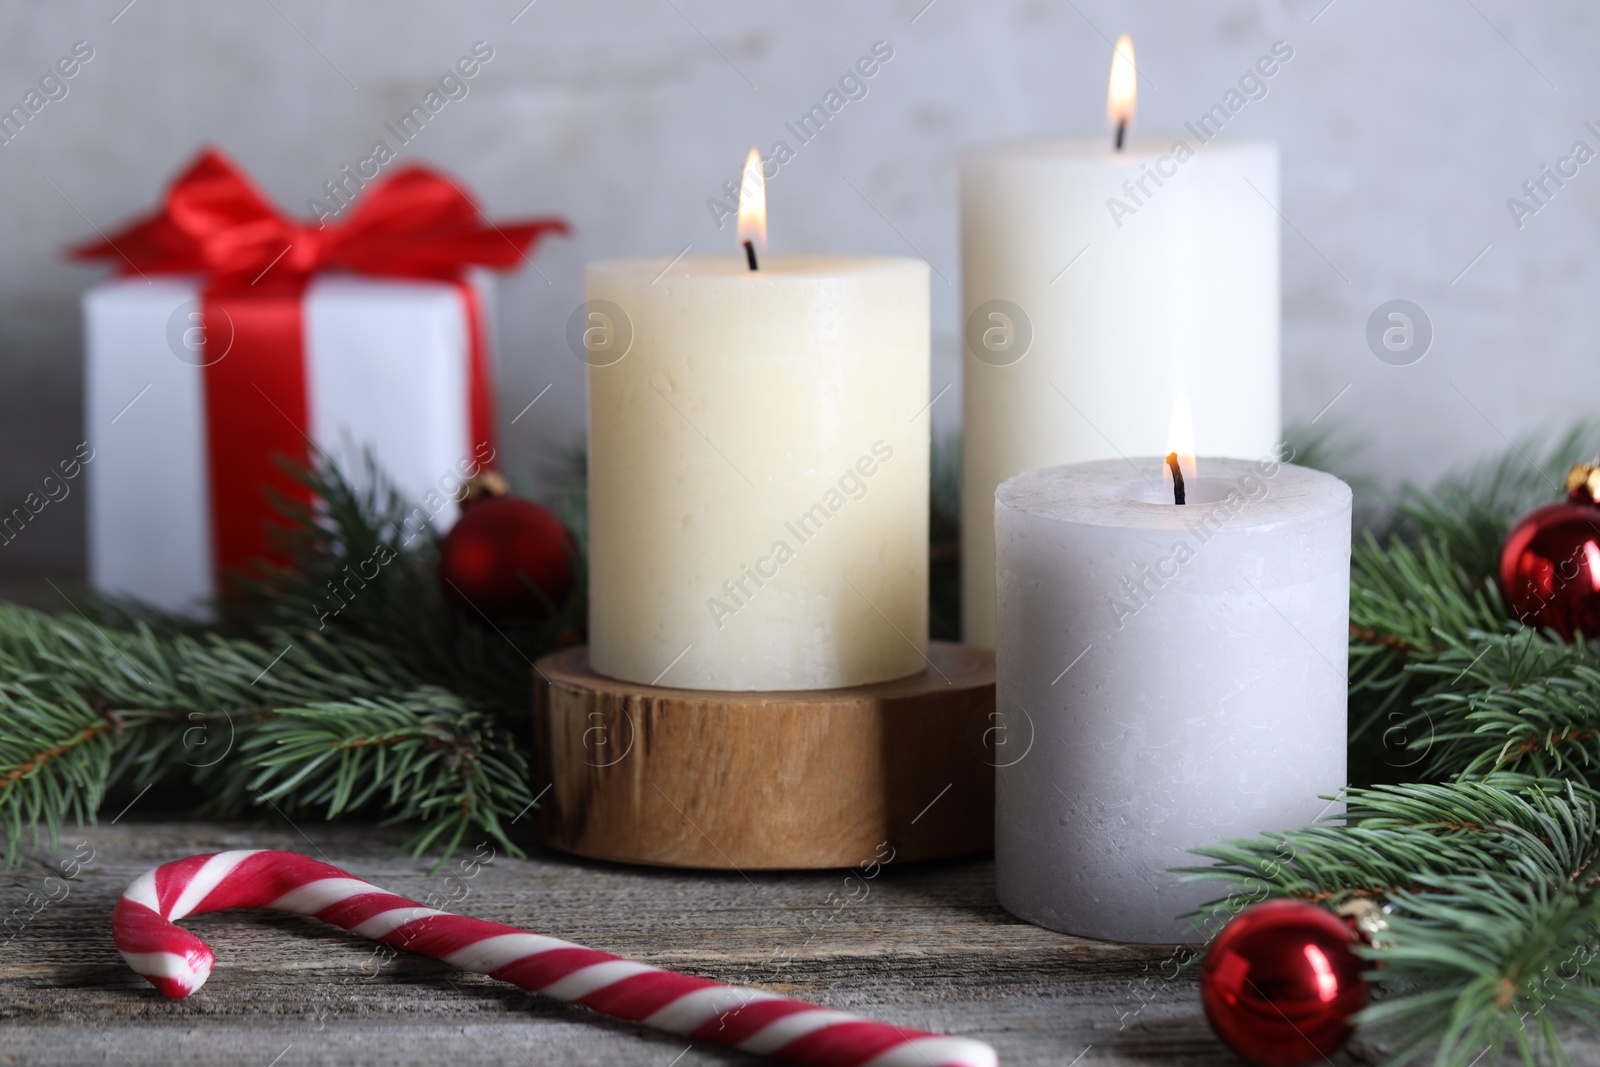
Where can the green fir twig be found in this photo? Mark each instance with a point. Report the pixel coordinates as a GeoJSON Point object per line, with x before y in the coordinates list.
{"type": "Point", "coordinates": [333, 687]}
{"type": "Point", "coordinates": [1487, 866]}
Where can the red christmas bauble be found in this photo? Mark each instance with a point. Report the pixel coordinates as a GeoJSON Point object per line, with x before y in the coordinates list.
{"type": "Point", "coordinates": [1280, 983]}
{"type": "Point", "coordinates": [496, 549]}
{"type": "Point", "coordinates": [1550, 566]}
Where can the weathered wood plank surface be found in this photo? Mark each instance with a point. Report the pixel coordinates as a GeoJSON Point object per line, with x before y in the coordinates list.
{"type": "Point", "coordinates": [927, 947]}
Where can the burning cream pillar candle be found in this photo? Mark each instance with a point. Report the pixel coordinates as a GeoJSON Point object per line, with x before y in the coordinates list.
{"type": "Point", "coordinates": [1181, 674]}
{"type": "Point", "coordinates": [758, 471]}
{"type": "Point", "coordinates": [1090, 272]}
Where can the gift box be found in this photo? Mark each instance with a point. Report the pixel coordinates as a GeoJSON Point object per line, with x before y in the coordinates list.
{"type": "Point", "coordinates": [236, 342]}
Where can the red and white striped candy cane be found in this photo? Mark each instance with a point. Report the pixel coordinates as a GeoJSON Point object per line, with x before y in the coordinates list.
{"type": "Point", "coordinates": [177, 962]}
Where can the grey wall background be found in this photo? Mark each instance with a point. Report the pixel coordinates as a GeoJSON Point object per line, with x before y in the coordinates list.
{"type": "Point", "coordinates": [1404, 129]}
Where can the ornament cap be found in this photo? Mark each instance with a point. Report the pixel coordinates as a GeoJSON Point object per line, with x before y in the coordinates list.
{"type": "Point", "coordinates": [1365, 915]}
{"type": "Point", "coordinates": [485, 485]}
{"type": "Point", "coordinates": [1583, 482]}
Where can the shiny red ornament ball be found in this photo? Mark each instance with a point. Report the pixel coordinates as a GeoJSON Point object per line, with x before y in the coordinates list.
{"type": "Point", "coordinates": [500, 545]}
{"type": "Point", "coordinates": [1280, 983]}
{"type": "Point", "coordinates": [1550, 566]}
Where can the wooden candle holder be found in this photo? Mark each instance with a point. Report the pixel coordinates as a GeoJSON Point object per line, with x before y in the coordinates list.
{"type": "Point", "coordinates": [749, 781]}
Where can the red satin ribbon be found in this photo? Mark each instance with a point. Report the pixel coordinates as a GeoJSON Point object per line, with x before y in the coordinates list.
{"type": "Point", "coordinates": [257, 264]}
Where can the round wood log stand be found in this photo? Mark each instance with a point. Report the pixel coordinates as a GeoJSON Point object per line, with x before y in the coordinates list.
{"type": "Point", "coordinates": [766, 781]}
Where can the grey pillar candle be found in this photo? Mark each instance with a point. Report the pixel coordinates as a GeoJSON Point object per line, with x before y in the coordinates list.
{"type": "Point", "coordinates": [1181, 673]}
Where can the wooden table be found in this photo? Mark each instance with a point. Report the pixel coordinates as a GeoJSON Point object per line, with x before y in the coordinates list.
{"type": "Point", "coordinates": [928, 947]}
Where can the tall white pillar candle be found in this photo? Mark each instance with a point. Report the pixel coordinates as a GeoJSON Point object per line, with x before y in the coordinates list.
{"type": "Point", "coordinates": [758, 471]}
{"type": "Point", "coordinates": [1090, 274]}
{"type": "Point", "coordinates": [1180, 671]}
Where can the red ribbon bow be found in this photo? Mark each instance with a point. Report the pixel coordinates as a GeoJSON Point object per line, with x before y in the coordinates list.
{"type": "Point", "coordinates": [257, 263]}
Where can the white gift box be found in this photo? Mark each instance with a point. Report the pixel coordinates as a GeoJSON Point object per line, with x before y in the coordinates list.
{"type": "Point", "coordinates": [387, 367]}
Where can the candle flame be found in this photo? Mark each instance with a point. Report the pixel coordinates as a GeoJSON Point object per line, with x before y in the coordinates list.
{"type": "Point", "coordinates": [1180, 438]}
{"type": "Point", "coordinates": [1124, 90]}
{"type": "Point", "coordinates": [753, 202]}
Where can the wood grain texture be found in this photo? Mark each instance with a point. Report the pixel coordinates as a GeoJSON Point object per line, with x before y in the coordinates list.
{"type": "Point", "coordinates": [766, 781]}
{"type": "Point", "coordinates": [926, 946]}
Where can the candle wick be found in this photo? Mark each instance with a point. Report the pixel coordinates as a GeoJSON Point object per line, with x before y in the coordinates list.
{"type": "Point", "coordinates": [1177, 478]}
{"type": "Point", "coordinates": [750, 254]}
{"type": "Point", "coordinates": [1122, 130]}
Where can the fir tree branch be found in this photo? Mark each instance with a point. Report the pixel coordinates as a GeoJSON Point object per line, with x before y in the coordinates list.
{"type": "Point", "coordinates": [1492, 908]}
{"type": "Point", "coordinates": [55, 757]}
{"type": "Point", "coordinates": [158, 699]}
{"type": "Point", "coordinates": [364, 572]}
{"type": "Point", "coordinates": [1489, 877]}
{"type": "Point", "coordinates": [342, 684]}
{"type": "Point", "coordinates": [1521, 701]}
{"type": "Point", "coordinates": [430, 759]}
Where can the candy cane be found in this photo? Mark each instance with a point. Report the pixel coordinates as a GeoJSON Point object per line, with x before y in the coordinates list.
{"type": "Point", "coordinates": [177, 962]}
